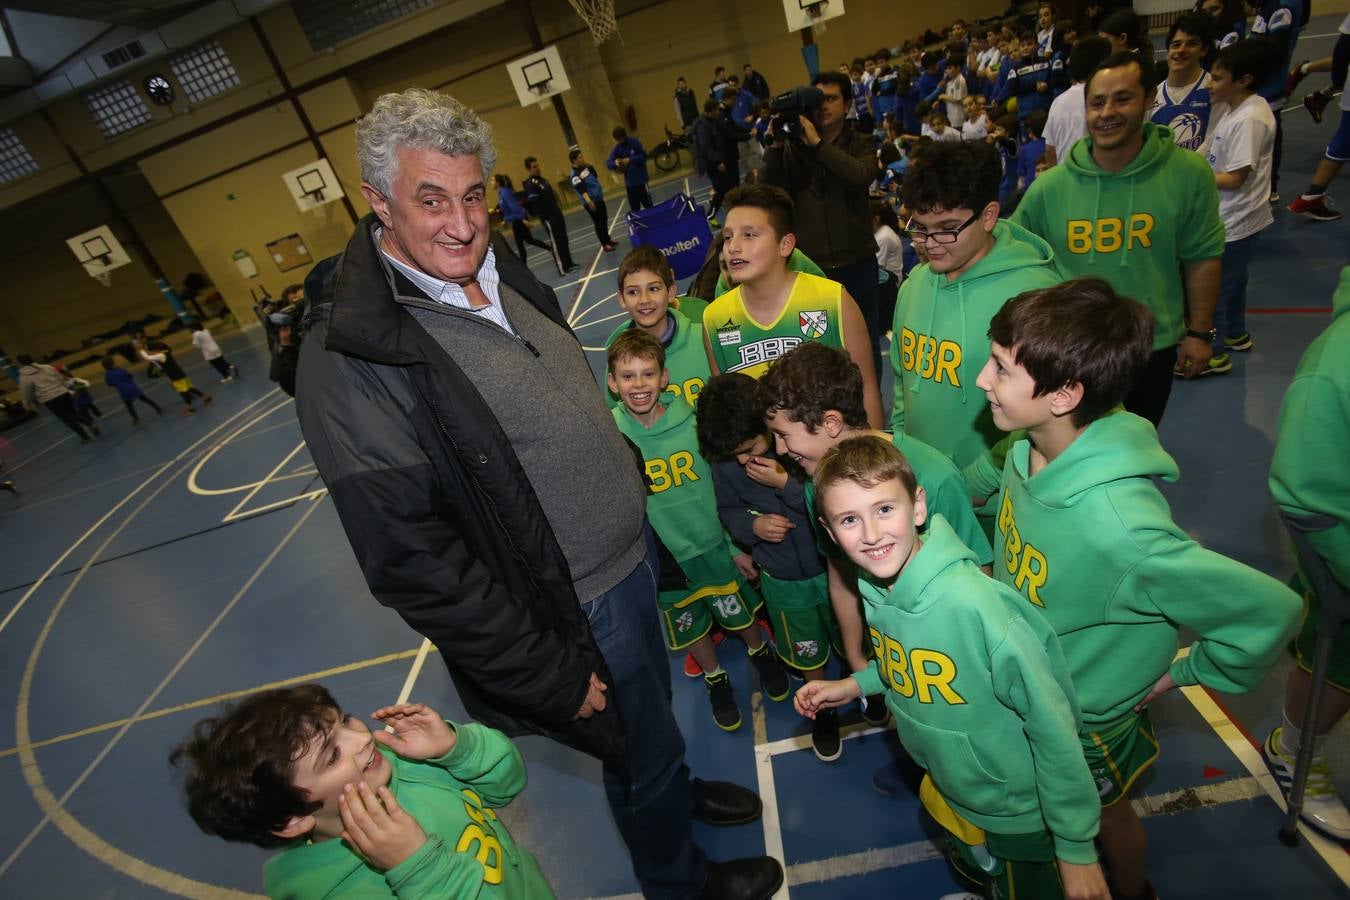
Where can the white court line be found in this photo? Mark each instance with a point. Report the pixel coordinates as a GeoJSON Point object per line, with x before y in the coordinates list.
{"type": "Point", "coordinates": [408, 682]}
{"type": "Point", "coordinates": [560, 287]}
{"type": "Point", "coordinates": [43, 452]}
{"type": "Point", "coordinates": [125, 500]}
{"type": "Point", "coordinates": [200, 491]}
{"type": "Point", "coordinates": [585, 282]}
{"type": "Point", "coordinates": [258, 485]}
{"type": "Point", "coordinates": [21, 731]}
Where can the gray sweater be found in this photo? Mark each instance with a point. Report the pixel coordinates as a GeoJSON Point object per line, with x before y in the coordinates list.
{"type": "Point", "coordinates": [543, 394]}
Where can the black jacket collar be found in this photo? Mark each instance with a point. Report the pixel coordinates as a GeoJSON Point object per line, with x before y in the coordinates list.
{"type": "Point", "coordinates": [366, 320]}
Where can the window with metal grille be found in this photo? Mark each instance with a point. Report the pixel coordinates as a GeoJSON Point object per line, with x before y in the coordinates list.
{"type": "Point", "coordinates": [15, 160]}
{"type": "Point", "coordinates": [117, 107]}
{"type": "Point", "coordinates": [327, 23]}
{"type": "Point", "coordinates": [204, 71]}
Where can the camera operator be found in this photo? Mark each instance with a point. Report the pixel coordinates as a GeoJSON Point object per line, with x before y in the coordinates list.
{"type": "Point", "coordinates": [827, 167]}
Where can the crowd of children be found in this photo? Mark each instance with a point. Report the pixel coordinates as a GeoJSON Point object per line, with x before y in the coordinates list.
{"type": "Point", "coordinates": [998, 574]}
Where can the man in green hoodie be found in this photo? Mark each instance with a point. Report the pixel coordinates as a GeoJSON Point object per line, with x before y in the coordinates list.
{"type": "Point", "coordinates": [1131, 206]}
{"type": "Point", "coordinates": [977, 684]}
{"type": "Point", "coordinates": [1087, 539]}
{"type": "Point", "coordinates": [976, 262]}
{"type": "Point", "coordinates": [1314, 430]}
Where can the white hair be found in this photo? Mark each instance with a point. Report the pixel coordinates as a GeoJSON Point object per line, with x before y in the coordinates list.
{"type": "Point", "coordinates": [418, 119]}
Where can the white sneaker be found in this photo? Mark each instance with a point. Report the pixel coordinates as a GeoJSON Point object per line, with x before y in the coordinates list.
{"type": "Point", "coordinates": [1323, 808]}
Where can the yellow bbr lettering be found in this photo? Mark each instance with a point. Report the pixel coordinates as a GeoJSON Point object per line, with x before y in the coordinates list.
{"type": "Point", "coordinates": [658, 473]}
{"type": "Point", "coordinates": [1140, 226]}
{"type": "Point", "coordinates": [897, 667]}
{"type": "Point", "coordinates": [691, 388]}
{"type": "Point", "coordinates": [941, 677]}
{"type": "Point", "coordinates": [949, 360]}
{"type": "Point", "coordinates": [1108, 235]}
{"type": "Point", "coordinates": [1023, 561]}
{"type": "Point", "coordinates": [486, 849]}
{"type": "Point", "coordinates": [1031, 574]}
{"type": "Point", "coordinates": [907, 350]}
{"type": "Point", "coordinates": [682, 467]}
{"type": "Point", "coordinates": [1079, 236]}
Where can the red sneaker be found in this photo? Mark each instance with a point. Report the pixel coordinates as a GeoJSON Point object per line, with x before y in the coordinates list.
{"type": "Point", "coordinates": [691, 666]}
{"type": "Point", "coordinates": [1316, 209]}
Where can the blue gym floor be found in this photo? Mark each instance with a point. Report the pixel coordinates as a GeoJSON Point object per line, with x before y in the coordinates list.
{"type": "Point", "coordinates": [151, 574]}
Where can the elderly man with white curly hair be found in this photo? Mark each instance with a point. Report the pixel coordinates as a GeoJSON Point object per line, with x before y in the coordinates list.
{"type": "Point", "coordinates": [487, 492]}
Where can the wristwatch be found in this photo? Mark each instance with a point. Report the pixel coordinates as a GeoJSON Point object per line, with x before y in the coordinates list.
{"type": "Point", "coordinates": [1203, 335]}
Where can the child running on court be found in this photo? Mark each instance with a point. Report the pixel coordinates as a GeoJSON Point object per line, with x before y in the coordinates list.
{"type": "Point", "coordinates": [763, 508]}
{"type": "Point", "coordinates": [122, 381]}
{"type": "Point", "coordinates": [813, 400]}
{"type": "Point", "coordinates": [773, 309]}
{"type": "Point", "coordinates": [1084, 535]}
{"type": "Point", "coordinates": [647, 294]}
{"type": "Point", "coordinates": [978, 685]}
{"type": "Point", "coordinates": [211, 352]}
{"type": "Point", "coordinates": [682, 507]}
{"type": "Point", "coordinates": [407, 813]}
{"type": "Point", "coordinates": [161, 355]}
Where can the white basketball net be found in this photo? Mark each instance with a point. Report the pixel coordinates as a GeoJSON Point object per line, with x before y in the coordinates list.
{"type": "Point", "coordinates": [599, 17]}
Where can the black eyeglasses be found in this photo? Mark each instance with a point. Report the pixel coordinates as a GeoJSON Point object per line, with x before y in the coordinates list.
{"type": "Point", "coordinates": [938, 237]}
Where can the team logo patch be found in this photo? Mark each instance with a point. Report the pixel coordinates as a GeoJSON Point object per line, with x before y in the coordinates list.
{"type": "Point", "coordinates": [806, 648]}
{"type": "Point", "coordinates": [684, 621]}
{"type": "Point", "coordinates": [813, 323]}
{"type": "Point", "coordinates": [1188, 130]}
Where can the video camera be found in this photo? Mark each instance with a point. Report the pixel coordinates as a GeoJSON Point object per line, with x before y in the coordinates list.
{"type": "Point", "coordinates": [787, 107]}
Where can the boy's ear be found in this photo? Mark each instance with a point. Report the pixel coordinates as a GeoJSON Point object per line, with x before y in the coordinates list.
{"type": "Point", "coordinates": [787, 244]}
{"type": "Point", "coordinates": [613, 385]}
{"type": "Point", "coordinates": [826, 527]}
{"type": "Point", "coordinates": [1067, 398]}
{"type": "Point", "coordinates": [665, 379]}
{"type": "Point", "coordinates": [832, 423]}
{"type": "Point", "coordinates": [920, 507]}
{"type": "Point", "coordinates": [296, 826]}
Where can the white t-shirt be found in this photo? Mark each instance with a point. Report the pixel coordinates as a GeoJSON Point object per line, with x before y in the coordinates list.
{"type": "Point", "coordinates": [956, 89]}
{"type": "Point", "coordinates": [890, 252]}
{"type": "Point", "coordinates": [1067, 121]}
{"type": "Point", "coordinates": [1245, 137]}
{"type": "Point", "coordinates": [949, 134]}
{"type": "Point", "coordinates": [203, 341]}
{"type": "Point", "coordinates": [975, 129]}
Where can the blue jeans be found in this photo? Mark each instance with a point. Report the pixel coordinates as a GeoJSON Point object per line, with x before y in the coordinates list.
{"type": "Point", "coordinates": [652, 809]}
{"type": "Point", "coordinates": [1230, 315]}
{"type": "Point", "coordinates": [860, 280]}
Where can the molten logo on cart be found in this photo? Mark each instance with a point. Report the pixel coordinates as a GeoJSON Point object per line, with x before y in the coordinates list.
{"type": "Point", "coordinates": [813, 323]}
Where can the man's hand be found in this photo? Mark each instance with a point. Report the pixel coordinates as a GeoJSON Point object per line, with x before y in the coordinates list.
{"type": "Point", "coordinates": [768, 472]}
{"type": "Point", "coordinates": [772, 527]}
{"type": "Point", "coordinates": [1160, 687]}
{"type": "Point", "coordinates": [1083, 882]}
{"type": "Point", "coordinates": [745, 564]}
{"type": "Point", "coordinates": [810, 136]}
{"type": "Point", "coordinates": [1042, 86]}
{"type": "Point", "coordinates": [621, 162]}
{"type": "Point", "coordinates": [814, 696]}
{"type": "Point", "coordinates": [377, 828]}
{"type": "Point", "coordinates": [1193, 355]}
{"type": "Point", "coordinates": [419, 731]}
{"type": "Point", "coordinates": [595, 698]}
{"type": "Point", "coordinates": [721, 167]}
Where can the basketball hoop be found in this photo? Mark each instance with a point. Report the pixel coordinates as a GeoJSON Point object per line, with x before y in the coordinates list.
{"type": "Point", "coordinates": [814, 10]}
{"type": "Point", "coordinates": [599, 18]}
{"type": "Point", "coordinates": [104, 277]}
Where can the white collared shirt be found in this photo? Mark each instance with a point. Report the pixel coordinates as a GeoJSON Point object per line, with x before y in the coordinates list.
{"type": "Point", "coordinates": [451, 294]}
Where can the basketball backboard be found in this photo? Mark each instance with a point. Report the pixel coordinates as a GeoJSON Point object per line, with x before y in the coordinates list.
{"type": "Point", "coordinates": [538, 76]}
{"type": "Point", "coordinates": [313, 185]}
{"type": "Point", "coordinates": [98, 251]}
{"type": "Point", "coordinates": [809, 13]}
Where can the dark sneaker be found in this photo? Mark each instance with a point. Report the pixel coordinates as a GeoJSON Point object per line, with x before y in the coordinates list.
{"type": "Point", "coordinates": [874, 711]}
{"type": "Point", "coordinates": [725, 712]}
{"type": "Point", "coordinates": [1316, 103]}
{"type": "Point", "coordinates": [825, 736]}
{"type": "Point", "coordinates": [772, 678]}
{"type": "Point", "coordinates": [755, 878]}
{"type": "Point", "coordinates": [1219, 364]}
{"type": "Point", "coordinates": [1318, 208]}
{"type": "Point", "coordinates": [1274, 197]}
{"type": "Point", "coordinates": [206, 401]}
{"type": "Point", "coordinates": [1240, 344]}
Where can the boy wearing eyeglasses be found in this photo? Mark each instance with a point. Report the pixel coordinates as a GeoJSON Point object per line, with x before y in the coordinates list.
{"type": "Point", "coordinates": [975, 263]}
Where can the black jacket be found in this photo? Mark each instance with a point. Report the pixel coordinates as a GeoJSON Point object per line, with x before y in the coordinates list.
{"type": "Point", "coordinates": [444, 523]}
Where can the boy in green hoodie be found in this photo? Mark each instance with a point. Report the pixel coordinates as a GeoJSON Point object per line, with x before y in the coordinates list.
{"type": "Point", "coordinates": [1314, 429]}
{"type": "Point", "coordinates": [1130, 206]}
{"type": "Point", "coordinates": [413, 808]}
{"type": "Point", "coordinates": [647, 294]}
{"type": "Point", "coordinates": [1087, 539]}
{"type": "Point", "coordinates": [975, 262]}
{"type": "Point", "coordinates": [682, 507]}
{"type": "Point", "coordinates": [813, 399]}
{"type": "Point", "coordinates": [979, 688]}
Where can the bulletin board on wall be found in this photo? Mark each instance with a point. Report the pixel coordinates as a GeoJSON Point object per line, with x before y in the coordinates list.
{"type": "Point", "coordinates": [289, 252]}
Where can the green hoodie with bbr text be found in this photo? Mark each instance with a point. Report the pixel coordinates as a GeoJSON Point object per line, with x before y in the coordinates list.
{"type": "Point", "coordinates": [1134, 227]}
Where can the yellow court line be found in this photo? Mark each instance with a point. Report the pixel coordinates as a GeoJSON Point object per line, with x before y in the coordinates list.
{"type": "Point", "coordinates": [218, 698]}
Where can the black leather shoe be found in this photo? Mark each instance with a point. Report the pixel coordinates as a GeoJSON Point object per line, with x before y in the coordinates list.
{"type": "Point", "coordinates": [752, 878]}
{"type": "Point", "coordinates": [724, 803]}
